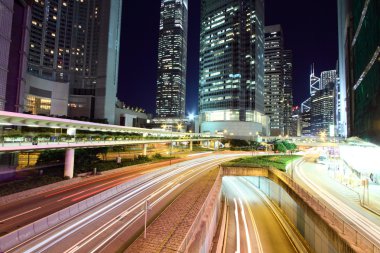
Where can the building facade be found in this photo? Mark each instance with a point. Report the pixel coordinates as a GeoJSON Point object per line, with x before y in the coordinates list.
{"type": "Point", "coordinates": [172, 59]}
{"type": "Point", "coordinates": [14, 38]}
{"type": "Point", "coordinates": [77, 42]}
{"type": "Point", "coordinates": [323, 111]}
{"type": "Point", "coordinates": [274, 79]}
{"type": "Point", "coordinates": [288, 89]}
{"type": "Point", "coordinates": [327, 77]}
{"type": "Point", "coordinates": [231, 86]}
{"type": "Point", "coordinates": [359, 51]}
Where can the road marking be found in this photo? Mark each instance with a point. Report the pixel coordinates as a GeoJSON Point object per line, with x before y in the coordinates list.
{"type": "Point", "coordinates": [20, 214]}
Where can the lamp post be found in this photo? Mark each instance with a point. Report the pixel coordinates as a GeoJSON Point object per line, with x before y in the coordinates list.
{"type": "Point", "coordinates": [250, 134]}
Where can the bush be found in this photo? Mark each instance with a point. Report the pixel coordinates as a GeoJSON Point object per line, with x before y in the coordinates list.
{"type": "Point", "coordinates": [157, 156]}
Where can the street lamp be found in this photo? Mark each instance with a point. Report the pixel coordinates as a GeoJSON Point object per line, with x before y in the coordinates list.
{"type": "Point", "coordinates": [250, 134]}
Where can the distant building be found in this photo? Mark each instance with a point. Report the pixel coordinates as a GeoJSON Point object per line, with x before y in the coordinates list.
{"type": "Point", "coordinates": [315, 84]}
{"type": "Point", "coordinates": [323, 111]}
{"type": "Point", "coordinates": [288, 89]}
{"type": "Point", "coordinates": [172, 59]}
{"type": "Point", "coordinates": [306, 123]}
{"type": "Point", "coordinates": [327, 77]}
{"type": "Point", "coordinates": [77, 42]}
{"type": "Point", "coordinates": [14, 38]}
{"type": "Point", "coordinates": [274, 104]}
{"type": "Point", "coordinates": [231, 86]}
{"type": "Point", "coordinates": [129, 116]}
{"type": "Point", "coordinates": [296, 122]}
{"type": "Point", "coordinates": [359, 66]}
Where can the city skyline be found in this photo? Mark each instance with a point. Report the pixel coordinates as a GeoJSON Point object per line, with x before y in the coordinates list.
{"type": "Point", "coordinates": [138, 68]}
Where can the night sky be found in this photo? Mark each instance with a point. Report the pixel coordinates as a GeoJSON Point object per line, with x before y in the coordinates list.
{"type": "Point", "coordinates": [310, 30]}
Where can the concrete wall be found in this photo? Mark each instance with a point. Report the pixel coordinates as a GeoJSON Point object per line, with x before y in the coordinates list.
{"type": "Point", "coordinates": [321, 228]}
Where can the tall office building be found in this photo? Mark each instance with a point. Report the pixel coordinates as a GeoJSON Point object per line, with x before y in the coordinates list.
{"type": "Point", "coordinates": [327, 77]}
{"type": "Point", "coordinates": [315, 84]}
{"type": "Point", "coordinates": [172, 59]}
{"type": "Point", "coordinates": [231, 87]}
{"type": "Point", "coordinates": [75, 43]}
{"type": "Point", "coordinates": [359, 66]}
{"type": "Point", "coordinates": [14, 38]}
{"type": "Point", "coordinates": [288, 89]}
{"type": "Point", "coordinates": [274, 79]}
{"type": "Point", "coordinates": [323, 111]}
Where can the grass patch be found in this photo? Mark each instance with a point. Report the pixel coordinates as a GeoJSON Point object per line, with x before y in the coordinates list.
{"type": "Point", "coordinates": [277, 161]}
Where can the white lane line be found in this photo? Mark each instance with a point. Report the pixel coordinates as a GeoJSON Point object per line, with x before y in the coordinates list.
{"type": "Point", "coordinates": [254, 224]}
{"type": "Point", "coordinates": [20, 214]}
{"type": "Point", "coordinates": [366, 225]}
{"type": "Point", "coordinates": [237, 228]}
{"type": "Point", "coordinates": [248, 237]}
{"type": "Point", "coordinates": [113, 235]}
{"type": "Point", "coordinates": [61, 234]}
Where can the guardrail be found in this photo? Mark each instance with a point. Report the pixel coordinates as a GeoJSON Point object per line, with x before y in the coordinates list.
{"type": "Point", "coordinates": [355, 238]}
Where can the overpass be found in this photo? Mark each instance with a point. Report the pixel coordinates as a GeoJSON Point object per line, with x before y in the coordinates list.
{"type": "Point", "coordinates": [147, 136]}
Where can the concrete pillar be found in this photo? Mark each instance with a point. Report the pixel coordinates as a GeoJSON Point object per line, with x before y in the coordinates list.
{"type": "Point", "coordinates": [145, 148]}
{"type": "Point", "coordinates": [191, 145]}
{"type": "Point", "coordinates": [69, 163]}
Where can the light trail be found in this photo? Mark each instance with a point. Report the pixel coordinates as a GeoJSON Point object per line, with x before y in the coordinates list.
{"type": "Point", "coordinates": [63, 233]}
{"type": "Point", "coordinates": [237, 227]}
{"type": "Point", "coordinates": [371, 229]}
{"type": "Point", "coordinates": [248, 237]}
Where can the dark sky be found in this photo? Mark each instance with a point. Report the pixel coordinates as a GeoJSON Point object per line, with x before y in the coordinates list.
{"type": "Point", "coordinates": [310, 30]}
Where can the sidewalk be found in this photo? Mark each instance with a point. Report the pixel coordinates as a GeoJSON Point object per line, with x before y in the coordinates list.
{"type": "Point", "coordinates": [168, 231]}
{"type": "Point", "coordinates": [340, 188]}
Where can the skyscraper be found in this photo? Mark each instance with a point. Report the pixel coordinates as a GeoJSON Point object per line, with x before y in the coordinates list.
{"type": "Point", "coordinates": [359, 66]}
{"type": "Point", "coordinates": [77, 42]}
{"type": "Point", "coordinates": [274, 78]}
{"type": "Point", "coordinates": [315, 84]}
{"type": "Point", "coordinates": [231, 87]}
{"type": "Point", "coordinates": [327, 77]}
{"type": "Point", "coordinates": [172, 59]}
{"type": "Point", "coordinates": [288, 89]}
{"type": "Point", "coordinates": [14, 38]}
{"type": "Point", "coordinates": [322, 110]}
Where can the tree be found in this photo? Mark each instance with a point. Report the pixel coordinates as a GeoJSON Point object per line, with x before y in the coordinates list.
{"type": "Point", "coordinates": [280, 147]}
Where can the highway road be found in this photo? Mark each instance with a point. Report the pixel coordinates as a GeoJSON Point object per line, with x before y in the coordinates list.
{"type": "Point", "coordinates": [252, 225]}
{"type": "Point", "coordinates": [20, 213]}
{"type": "Point", "coordinates": [344, 202]}
{"type": "Point", "coordinates": [115, 222]}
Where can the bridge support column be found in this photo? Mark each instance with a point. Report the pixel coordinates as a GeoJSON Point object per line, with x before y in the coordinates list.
{"type": "Point", "coordinates": [145, 148]}
{"type": "Point", "coordinates": [191, 145]}
{"type": "Point", "coordinates": [69, 163]}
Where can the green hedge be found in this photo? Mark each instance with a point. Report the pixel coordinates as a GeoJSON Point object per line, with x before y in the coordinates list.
{"type": "Point", "coordinates": [276, 161]}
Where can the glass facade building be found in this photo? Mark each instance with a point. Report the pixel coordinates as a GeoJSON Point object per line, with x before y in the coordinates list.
{"type": "Point", "coordinates": [172, 59]}
{"type": "Point", "coordinates": [288, 90]}
{"type": "Point", "coordinates": [274, 79]}
{"type": "Point", "coordinates": [359, 67]}
{"type": "Point", "coordinates": [322, 110]}
{"type": "Point", "coordinates": [231, 87]}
